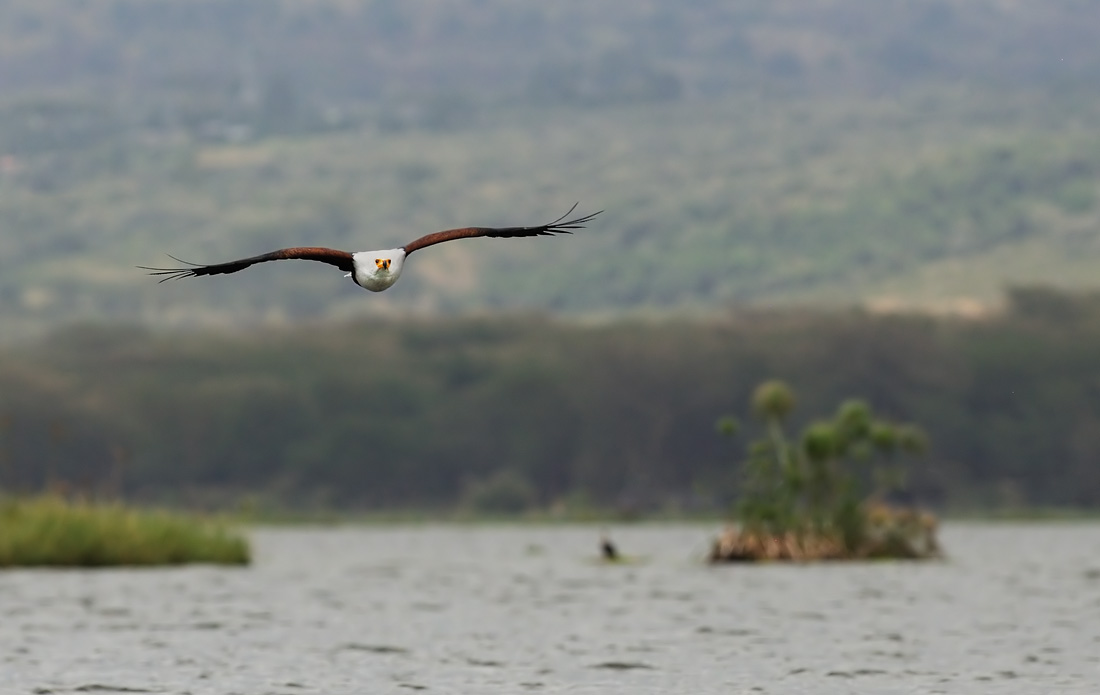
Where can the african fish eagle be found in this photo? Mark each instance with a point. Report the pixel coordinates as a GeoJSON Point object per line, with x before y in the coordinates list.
{"type": "Point", "coordinates": [373, 270]}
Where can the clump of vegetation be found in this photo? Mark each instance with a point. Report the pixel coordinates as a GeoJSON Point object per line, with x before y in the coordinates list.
{"type": "Point", "coordinates": [49, 530]}
{"type": "Point", "coordinates": [823, 495]}
{"type": "Point", "coordinates": [504, 492]}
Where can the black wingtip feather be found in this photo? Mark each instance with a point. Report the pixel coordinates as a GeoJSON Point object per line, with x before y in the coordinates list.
{"type": "Point", "coordinates": [172, 273]}
{"type": "Point", "coordinates": [180, 260]}
{"type": "Point", "coordinates": [578, 223]}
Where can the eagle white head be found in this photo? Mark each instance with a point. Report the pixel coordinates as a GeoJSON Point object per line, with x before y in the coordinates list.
{"type": "Point", "coordinates": [377, 270]}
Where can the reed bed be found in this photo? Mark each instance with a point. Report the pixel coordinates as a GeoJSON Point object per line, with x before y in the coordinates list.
{"type": "Point", "coordinates": [890, 533]}
{"type": "Point", "coordinates": [51, 531]}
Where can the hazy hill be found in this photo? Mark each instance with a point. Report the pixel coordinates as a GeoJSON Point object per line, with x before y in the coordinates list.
{"type": "Point", "coordinates": [601, 49]}
{"type": "Point", "coordinates": [891, 152]}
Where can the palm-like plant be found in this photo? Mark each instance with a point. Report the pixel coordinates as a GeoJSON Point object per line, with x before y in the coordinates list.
{"type": "Point", "coordinates": [819, 483]}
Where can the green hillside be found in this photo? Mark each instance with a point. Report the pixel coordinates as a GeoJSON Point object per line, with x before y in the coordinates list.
{"type": "Point", "coordinates": [897, 153]}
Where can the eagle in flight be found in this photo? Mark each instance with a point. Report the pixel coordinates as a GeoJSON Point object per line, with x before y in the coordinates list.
{"type": "Point", "coordinates": [373, 270]}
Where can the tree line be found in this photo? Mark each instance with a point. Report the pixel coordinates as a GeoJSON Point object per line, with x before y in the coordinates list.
{"type": "Point", "coordinates": [530, 410]}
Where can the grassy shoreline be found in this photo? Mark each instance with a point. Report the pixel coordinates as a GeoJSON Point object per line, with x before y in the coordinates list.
{"type": "Point", "coordinates": [51, 531]}
{"type": "Point", "coordinates": [538, 517]}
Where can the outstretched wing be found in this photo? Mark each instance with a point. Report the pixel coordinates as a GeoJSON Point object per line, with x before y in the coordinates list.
{"type": "Point", "coordinates": [555, 227]}
{"type": "Point", "coordinates": [340, 259]}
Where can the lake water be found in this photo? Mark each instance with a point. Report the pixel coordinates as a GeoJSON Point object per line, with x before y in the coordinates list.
{"type": "Point", "coordinates": [475, 609]}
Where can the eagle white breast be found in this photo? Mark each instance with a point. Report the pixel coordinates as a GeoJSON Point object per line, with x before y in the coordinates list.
{"type": "Point", "coordinates": [377, 270]}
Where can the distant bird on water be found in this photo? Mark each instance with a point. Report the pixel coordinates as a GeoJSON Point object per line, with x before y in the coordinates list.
{"type": "Point", "coordinates": [373, 270]}
{"type": "Point", "coordinates": [608, 549]}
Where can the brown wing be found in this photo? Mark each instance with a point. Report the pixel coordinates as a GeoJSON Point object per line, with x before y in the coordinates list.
{"type": "Point", "coordinates": [340, 259]}
{"type": "Point", "coordinates": [555, 227]}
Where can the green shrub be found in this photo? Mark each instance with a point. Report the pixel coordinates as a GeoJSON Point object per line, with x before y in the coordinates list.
{"type": "Point", "coordinates": [504, 492]}
{"type": "Point", "coordinates": [827, 485]}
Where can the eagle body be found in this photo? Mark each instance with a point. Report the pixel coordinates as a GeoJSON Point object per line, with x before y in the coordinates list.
{"type": "Point", "coordinates": [377, 270]}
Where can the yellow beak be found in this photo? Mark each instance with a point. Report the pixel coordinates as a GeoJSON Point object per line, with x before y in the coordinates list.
{"type": "Point", "coordinates": [383, 263]}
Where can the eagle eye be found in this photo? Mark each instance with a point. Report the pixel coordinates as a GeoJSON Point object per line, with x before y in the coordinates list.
{"type": "Point", "coordinates": [383, 263]}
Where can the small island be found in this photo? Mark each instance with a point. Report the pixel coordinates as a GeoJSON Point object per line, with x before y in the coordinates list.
{"type": "Point", "coordinates": [825, 495]}
{"type": "Point", "coordinates": [52, 531]}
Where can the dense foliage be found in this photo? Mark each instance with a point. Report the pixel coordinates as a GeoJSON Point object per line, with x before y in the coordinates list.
{"type": "Point", "coordinates": [512, 411]}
